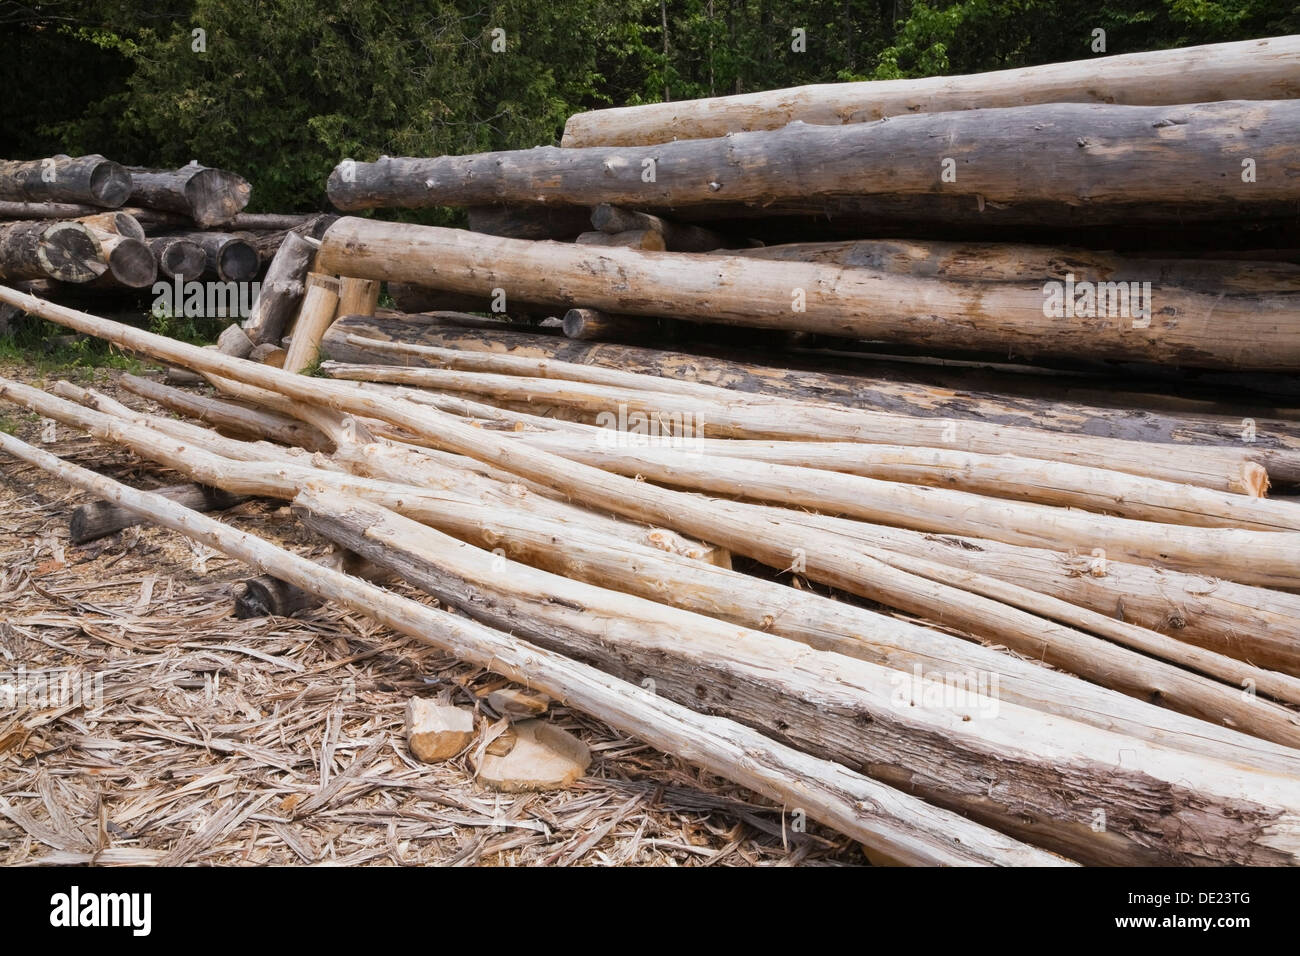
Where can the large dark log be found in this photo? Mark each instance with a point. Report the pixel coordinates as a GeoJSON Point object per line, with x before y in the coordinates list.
{"type": "Point", "coordinates": [1089, 154]}
{"type": "Point", "coordinates": [230, 257]}
{"type": "Point", "coordinates": [98, 519]}
{"type": "Point", "coordinates": [528, 221]}
{"type": "Point", "coordinates": [1175, 326]}
{"type": "Point", "coordinates": [131, 263]}
{"type": "Point", "coordinates": [886, 390]}
{"type": "Point", "coordinates": [40, 249]}
{"type": "Point", "coordinates": [210, 197]}
{"type": "Point", "coordinates": [678, 237]}
{"type": "Point", "coordinates": [90, 180]}
{"type": "Point", "coordinates": [1246, 70]}
{"type": "Point", "coordinates": [178, 256]}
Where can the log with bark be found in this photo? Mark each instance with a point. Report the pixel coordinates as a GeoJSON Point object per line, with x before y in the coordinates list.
{"type": "Point", "coordinates": [899, 825]}
{"type": "Point", "coordinates": [1092, 155]}
{"type": "Point", "coordinates": [178, 256]}
{"type": "Point", "coordinates": [633, 239]}
{"type": "Point", "coordinates": [229, 257]}
{"type": "Point", "coordinates": [39, 249]}
{"type": "Point", "coordinates": [1162, 323]}
{"type": "Point", "coordinates": [281, 291]}
{"type": "Point", "coordinates": [1245, 70]}
{"type": "Point", "coordinates": [85, 180]}
{"type": "Point", "coordinates": [526, 221]}
{"type": "Point", "coordinates": [131, 263]}
{"type": "Point", "coordinates": [209, 197]}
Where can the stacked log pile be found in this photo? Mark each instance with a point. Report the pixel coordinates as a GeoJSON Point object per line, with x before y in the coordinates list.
{"type": "Point", "coordinates": [140, 225]}
{"type": "Point", "coordinates": [800, 512]}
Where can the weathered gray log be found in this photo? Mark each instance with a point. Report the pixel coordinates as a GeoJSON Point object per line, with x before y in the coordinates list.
{"type": "Point", "coordinates": [88, 180]}
{"type": "Point", "coordinates": [528, 221]}
{"type": "Point", "coordinates": [678, 237]}
{"type": "Point", "coordinates": [131, 263]}
{"type": "Point", "coordinates": [1169, 325]}
{"type": "Point", "coordinates": [116, 221]}
{"type": "Point", "coordinates": [40, 249]}
{"type": "Point", "coordinates": [281, 291]}
{"type": "Point", "coordinates": [98, 519]}
{"type": "Point", "coordinates": [1246, 70]}
{"type": "Point", "coordinates": [230, 258]}
{"type": "Point", "coordinates": [210, 197]}
{"type": "Point", "coordinates": [178, 256]}
{"type": "Point", "coordinates": [1088, 154]}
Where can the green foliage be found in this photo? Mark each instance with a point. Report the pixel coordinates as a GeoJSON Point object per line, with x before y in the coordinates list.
{"type": "Point", "coordinates": [47, 348]}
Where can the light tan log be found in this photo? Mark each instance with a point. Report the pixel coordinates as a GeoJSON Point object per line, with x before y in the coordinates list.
{"type": "Point", "coordinates": [1184, 327]}
{"type": "Point", "coordinates": [712, 669]}
{"type": "Point", "coordinates": [118, 221]}
{"type": "Point", "coordinates": [1010, 262]}
{"type": "Point", "coordinates": [1000, 475]}
{"type": "Point", "coordinates": [318, 308]}
{"type": "Point", "coordinates": [345, 432]}
{"type": "Point", "coordinates": [910, 393]}
{"type": "Point", "coordinates": [281, 291]}
{"type": "Point", "coordinates": [1220, 468]}
{"type": "Point", "coordinates": [729, 524]}
{"type": "Point", "coordinates": [1244, 70]}
{"type": "Point", "coordinates": [357, 296]}
{"type": "Point", "coordinates": [234, 341]}
{"type": "Point", "coordinates": [897, 824]}
{"type": "Point", "coordinates": [224, 415]}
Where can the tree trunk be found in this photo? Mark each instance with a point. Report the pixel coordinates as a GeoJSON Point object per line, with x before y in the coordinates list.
{"type": "Point", "coordinates": [87, 180]}
{"type": "Point", "coordinates": [1086, 154]}
{"type": "Point", "coordinates": [98, 519]}
{"type": "Point", "coordinates": [177, 256]}
{"type": "Point", "coordinates": [210, 197]}
{"type": "Point", "coordinates": [724, 414]}
{"type": "Point", "coordinates": [117, 221]}
{"type": "Point", "coordinates": [528, 221]}
{"type": "Point", "coordinates": [357, 296]}
{"type": "Point", "coordinates": [1175, 326]}
{"type": "Point", "coordinates": [131, 262]}
{"type": "Point", "coordinates": [1246, 70]}
{"type": "Point", "coordinates": [319, 306]}
{"type": "Point", "coordinates": [67, 251]}
{"type": "Point", "coordinates": [888, 820]}
{"type": "Point", "coordinates": [281, 291]}
{"type": "Point", "coordinates": [230, 258]}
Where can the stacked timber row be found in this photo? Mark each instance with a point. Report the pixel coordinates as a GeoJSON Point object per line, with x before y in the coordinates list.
{"type": "Point", "coordinates": [87, 225]}
{"type": "Point", "coordinates": [716, 425]}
